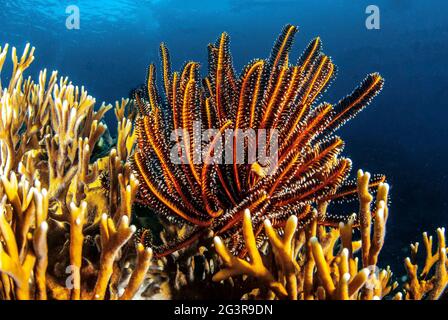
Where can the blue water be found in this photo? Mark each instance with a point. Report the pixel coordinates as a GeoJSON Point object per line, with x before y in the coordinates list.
{"type": "Point", "coordinates": [402, 134]}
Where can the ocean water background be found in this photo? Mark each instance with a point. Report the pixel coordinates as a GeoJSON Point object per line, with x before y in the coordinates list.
{"type": "Point", "coordinates": [402, 134]}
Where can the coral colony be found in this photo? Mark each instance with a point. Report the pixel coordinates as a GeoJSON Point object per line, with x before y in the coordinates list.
{"type": "Point", "coordinates": [255, 228]}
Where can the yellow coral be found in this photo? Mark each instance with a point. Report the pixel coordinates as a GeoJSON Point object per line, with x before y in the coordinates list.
{"type": "Point", "coordinates": [309, 265]}
{"type": "Point", "coordinates": [419, 286]}
{"type": "Point", "coordinates": [255, 267]}
{"type": "Point", "coordinates": [51, 191]}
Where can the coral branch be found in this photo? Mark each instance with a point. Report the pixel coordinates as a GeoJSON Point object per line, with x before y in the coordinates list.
{"type": "Point", "coordinates": [237, 266]}
{"type": "Point", "coordinates": [112, 239]}
{"type": "Point", "coordinates": [144, 256]}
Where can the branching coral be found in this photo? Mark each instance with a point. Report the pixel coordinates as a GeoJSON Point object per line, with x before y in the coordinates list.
{"type": "Point", "coordinates": [61, 234]}
{"type": "Point", "coordinates": [433, 279]}
{"type": "Point", "coordinates": [255, 268]}
{"type": "Point", "coordinates": [318, 262]}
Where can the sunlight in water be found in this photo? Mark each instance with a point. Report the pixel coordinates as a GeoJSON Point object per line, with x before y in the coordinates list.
{"type": "Point", "coordinates": [93, 13]}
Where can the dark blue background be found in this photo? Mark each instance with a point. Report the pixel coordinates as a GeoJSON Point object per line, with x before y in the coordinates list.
{"type": "Point", "coordinates": [402, 134]}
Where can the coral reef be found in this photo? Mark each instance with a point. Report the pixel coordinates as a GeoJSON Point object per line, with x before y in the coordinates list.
{"type": "Point", "coordinates": [251, 231]}
{"type": "Point", "coordinates": [314, 256]}
{"type": "Point", "coordinates": [268, 94]}
{"type": "Point", "coordinates": [61, 235]}
{"type": "Point", "coordinates": [317, 262]}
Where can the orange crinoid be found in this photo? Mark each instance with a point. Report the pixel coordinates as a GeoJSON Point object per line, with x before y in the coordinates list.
{"type": "Point", "coordinates": [268, 94]}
